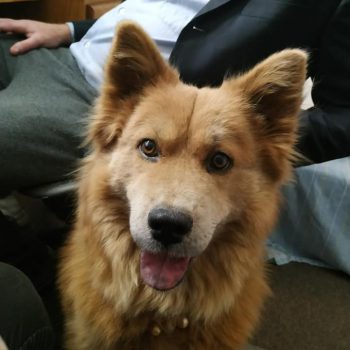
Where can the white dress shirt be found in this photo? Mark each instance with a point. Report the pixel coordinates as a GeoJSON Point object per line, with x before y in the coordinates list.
{"type": "Point", "coordinates": [162, 20]}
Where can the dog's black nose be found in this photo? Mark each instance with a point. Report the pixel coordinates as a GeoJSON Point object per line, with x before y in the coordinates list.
{"type": "Point", "coordinates": [169, 226]}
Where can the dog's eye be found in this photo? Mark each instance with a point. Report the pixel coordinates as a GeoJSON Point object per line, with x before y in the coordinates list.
{"type": "Point", "coordinates": [218, 162]}
{"type": "Point", "coordinates": [149, 148]}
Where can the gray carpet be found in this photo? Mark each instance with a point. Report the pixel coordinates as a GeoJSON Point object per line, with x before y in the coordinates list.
{"type": "Point", "coordinates": [310, 310]}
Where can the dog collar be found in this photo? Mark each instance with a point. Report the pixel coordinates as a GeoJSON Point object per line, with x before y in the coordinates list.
{"type": "Point", "coordinates": [156, 330]}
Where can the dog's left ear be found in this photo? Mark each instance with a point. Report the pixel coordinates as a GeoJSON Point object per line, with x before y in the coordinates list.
{"type": "Point", "coordinates": [274, 91]}
{"type": "Point", "coordinates": [134, 63]}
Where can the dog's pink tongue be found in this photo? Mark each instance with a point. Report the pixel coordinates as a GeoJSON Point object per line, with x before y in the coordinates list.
{"type": "Point", "coordinates": [162, 271]}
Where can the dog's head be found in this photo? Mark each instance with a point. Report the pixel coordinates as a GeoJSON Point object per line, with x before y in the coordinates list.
{"type": "Point", "coordinates": [188, 161]}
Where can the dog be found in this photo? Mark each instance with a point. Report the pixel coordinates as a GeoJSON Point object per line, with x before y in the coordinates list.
{"type": "Point", "coordinates": [175, 201]}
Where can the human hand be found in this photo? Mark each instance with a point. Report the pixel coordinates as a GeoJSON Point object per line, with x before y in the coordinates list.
{"type": "Point", "coordinates": [38, 34]}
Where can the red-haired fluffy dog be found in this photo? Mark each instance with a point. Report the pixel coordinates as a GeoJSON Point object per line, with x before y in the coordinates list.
{"type": "Point", "coordinates": [176, 199]}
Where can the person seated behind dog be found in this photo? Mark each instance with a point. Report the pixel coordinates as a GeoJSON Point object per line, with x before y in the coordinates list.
{"type": "Point", "coordinates": [206, 40]}
{"type": "Point", "coordinates": [47, 88]}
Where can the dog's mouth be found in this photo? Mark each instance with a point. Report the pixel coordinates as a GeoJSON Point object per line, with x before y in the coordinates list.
{"type": "Point", "coordinates": [162, 271]}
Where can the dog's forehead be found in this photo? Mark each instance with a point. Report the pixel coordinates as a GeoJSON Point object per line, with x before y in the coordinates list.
{"type": "Point", "coordinates": [164, 112]}
{"type": "Point", "coordinates": [183, 109]}
{"type": "Point", "coordinates": [219, 112]}
{"type": "Point", "coordinates": [171, 102]}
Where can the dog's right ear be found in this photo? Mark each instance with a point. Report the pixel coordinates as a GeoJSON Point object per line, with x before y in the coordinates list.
{"type": "Point", "coordinates": [134, 63]}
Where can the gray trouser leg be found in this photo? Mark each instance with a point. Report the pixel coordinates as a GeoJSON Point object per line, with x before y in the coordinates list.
{"type": "Point", "coordinates": [44, 104]}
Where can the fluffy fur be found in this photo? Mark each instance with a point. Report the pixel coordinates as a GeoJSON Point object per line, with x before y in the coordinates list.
{"type": "Point", "coordinates": [253, 119]}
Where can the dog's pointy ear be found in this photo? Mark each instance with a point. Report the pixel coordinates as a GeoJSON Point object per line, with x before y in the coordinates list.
{"type": "Point", "coordinates": [134, 63]}
{"type": "Point", "coordinates": [274, 91]}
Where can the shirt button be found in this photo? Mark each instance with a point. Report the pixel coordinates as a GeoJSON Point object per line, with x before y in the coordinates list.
{"type": "Point", "coordinates": [197, 29]}
{"type": "Point", "coordinates": [121, 10]}
{"type": "Point", "coordinates": [87, 44]}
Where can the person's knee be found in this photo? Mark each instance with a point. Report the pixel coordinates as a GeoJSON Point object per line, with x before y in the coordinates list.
{"type": "Point", "coordinates": [23, 145]}
{"type": "Point", "coordinates": [23, 318]}
{"type": "Point", "coordinates": [18, 295]}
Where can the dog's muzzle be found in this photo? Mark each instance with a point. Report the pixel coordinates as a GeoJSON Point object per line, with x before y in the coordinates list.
{"type": "Point", "coordinates": [162, 270]}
